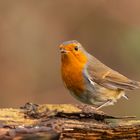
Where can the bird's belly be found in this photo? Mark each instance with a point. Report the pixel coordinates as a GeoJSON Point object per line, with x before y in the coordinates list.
{"type": "Point", "coordinates": [97, 95]}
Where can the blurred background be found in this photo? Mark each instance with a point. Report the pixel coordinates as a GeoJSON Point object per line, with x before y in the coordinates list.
{"type": "Point", "coordinates": [30, 32]}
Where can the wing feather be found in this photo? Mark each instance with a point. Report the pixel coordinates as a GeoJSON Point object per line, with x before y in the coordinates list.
{"type": "Point", "coordinates": [106, 77]}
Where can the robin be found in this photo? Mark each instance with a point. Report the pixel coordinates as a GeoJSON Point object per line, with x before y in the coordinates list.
{"type": "Point", "coordinates": [89, 80]}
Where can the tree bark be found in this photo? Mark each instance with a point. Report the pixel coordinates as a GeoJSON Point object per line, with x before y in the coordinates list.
{"type": "Point", "coordinates": [64, 122]}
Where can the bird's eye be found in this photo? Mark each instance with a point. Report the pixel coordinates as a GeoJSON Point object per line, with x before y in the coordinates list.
{"type": "Point", "coordinates": [76, 48]}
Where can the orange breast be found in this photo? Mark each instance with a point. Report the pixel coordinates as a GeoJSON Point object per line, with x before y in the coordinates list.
{"type": "Point", "coordinates": [72, 75]}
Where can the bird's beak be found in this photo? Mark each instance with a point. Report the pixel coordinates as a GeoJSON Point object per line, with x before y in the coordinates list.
{"type": "Point", "coordinates": [63, 51]}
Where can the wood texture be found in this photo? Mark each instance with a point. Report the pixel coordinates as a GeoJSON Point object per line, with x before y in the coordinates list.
{"type": "Point", "coordinates": [64, 122]}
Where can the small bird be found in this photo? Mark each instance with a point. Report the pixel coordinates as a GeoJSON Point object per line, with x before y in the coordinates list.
{"type": "Point", "coordinates": [89, 80]}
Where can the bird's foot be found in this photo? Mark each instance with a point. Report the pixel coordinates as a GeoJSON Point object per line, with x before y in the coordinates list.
{"type": "Point", "coordinates": [108, 102]}
{"type": "Point", "coordinates": [88, 108]}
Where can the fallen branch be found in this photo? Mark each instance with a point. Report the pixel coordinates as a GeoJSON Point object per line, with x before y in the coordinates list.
{"type": "Point", "coordinates": [65, 122]}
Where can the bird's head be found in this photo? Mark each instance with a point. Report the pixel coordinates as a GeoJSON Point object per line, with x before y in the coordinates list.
{"type": "Point", "coordinates": [73, 50]}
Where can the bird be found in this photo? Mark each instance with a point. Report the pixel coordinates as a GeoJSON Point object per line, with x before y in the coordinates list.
{"type": "Point", "coordinates": [89, 80]}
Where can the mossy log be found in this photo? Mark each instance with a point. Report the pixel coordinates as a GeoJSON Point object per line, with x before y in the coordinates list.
{"type": "Point", "coordinates": [64, 122]}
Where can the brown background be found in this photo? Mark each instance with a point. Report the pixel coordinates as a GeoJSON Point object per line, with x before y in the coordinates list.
{"type": "Point", "coordinates": [30, 32]}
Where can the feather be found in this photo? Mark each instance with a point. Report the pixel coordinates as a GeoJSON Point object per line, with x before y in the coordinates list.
{"type": "Point", "coordinates": [106, 77]}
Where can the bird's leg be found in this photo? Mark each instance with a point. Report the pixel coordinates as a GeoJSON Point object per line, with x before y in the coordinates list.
{"type": "Point", "coordinates": [104, 104]}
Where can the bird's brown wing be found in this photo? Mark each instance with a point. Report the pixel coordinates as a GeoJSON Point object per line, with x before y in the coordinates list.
{"type": "Point", "coordinates": [106, 77]}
